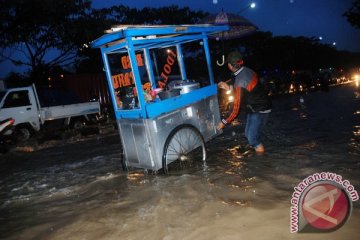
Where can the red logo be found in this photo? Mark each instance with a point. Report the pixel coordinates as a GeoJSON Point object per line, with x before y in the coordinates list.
{"type": "Point", "coordinates": [325, 207]}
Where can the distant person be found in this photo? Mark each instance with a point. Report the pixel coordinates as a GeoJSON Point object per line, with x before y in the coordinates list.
{"type": "Point", "coordinates": [247, 87]}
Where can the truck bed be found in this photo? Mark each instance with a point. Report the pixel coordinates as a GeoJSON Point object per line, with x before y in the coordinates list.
{"type": "Point", "coordinates": [71, 110]}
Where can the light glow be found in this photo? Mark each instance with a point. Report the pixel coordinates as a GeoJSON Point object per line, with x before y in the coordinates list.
{"type": "Point", "coordinates": [357, 80]}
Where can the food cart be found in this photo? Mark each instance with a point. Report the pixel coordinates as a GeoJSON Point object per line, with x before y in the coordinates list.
{"type": "Point", "coordinates": [163, 91]}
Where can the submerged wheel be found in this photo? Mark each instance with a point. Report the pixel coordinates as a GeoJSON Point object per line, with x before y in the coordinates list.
{"type": "Point", "coordinates": [183, 147]}
{"type": "Point", "coordinates": [78, 124]}
{"type": "Point", "coordinates": [23, 134]}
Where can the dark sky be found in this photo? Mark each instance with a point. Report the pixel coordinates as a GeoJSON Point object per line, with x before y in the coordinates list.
{"type": "Point", "coordinates": [310, 18]}
{"type": "Point", "coordinates": [318, 18]}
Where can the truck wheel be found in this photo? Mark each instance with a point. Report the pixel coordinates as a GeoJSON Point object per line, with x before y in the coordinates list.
{"type": "Point", "coordinates": [78, 124]}
{"type": "Point", "coordinates": [23, 134]}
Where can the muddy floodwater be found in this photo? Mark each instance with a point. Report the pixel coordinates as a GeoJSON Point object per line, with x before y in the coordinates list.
{"type": "Point", "coordinates": [76, 189]}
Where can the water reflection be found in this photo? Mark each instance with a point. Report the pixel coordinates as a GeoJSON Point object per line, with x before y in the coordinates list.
{"type": "Point", "coordinates": [80, 191]}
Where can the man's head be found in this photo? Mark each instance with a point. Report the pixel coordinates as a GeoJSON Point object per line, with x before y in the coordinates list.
{"type": "Point", "coordinates": [234, 59]}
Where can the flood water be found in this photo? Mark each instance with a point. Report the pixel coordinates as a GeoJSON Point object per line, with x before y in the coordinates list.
{"type": "Point", "coordinates": [78, 190]}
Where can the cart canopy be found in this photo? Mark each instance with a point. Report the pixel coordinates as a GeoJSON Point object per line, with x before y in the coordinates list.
{"type": "Point", "coordinates": [152, 36]}
{"type": "Point", "coordinates": [139, 59]}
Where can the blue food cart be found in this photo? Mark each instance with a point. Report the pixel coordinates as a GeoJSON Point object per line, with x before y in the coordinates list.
{"type": "Point", "coordinates": [163, 92]}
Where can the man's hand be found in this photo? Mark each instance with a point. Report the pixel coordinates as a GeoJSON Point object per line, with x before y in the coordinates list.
{"type": "Point", "coordinates": [220, 126]}
{"type": "Point", "coordinates": [223, 85]}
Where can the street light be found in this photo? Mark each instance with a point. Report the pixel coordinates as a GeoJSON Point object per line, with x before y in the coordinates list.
{"type": "Point", "coordinates": [251, 5]}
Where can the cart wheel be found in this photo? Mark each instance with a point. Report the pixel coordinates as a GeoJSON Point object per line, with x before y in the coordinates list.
{"type": "Point", "coordinates": [183, 147]}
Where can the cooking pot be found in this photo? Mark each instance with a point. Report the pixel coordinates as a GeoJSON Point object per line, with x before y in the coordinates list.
{"type": "Point", "coordinates": [186, 86]}
{"type": "Point", "coordinates": [169, 93]}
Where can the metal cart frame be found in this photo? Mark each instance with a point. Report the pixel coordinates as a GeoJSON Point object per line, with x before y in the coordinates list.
{"type": "Point", "coordinates": [160, 132]}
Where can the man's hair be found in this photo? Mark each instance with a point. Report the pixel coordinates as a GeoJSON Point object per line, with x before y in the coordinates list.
{"type": "Point", "coordinates": [235, 58]}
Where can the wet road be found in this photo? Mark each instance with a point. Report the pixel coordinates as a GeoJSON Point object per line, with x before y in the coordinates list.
{"type": "Point", "coordinates": [78, 190]}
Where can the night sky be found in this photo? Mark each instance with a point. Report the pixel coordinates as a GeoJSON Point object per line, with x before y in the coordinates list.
{"type": "Point", "coordinates": [309, 18]}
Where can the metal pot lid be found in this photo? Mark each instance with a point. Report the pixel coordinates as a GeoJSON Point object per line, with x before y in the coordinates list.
{"type": "Point", "coordinates": [186, 83]}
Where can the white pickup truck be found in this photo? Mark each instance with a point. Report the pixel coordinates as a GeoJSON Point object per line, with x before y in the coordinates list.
{"type": "Point", "coordinates": [23, 105]}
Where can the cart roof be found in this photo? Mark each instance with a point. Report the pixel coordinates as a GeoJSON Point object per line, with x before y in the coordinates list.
{"type": "Point", "coordinates": [151, 36]}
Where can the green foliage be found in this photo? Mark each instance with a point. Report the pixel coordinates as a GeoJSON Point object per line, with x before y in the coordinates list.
{"type": "Point", "coordinates": [264, 51]}
{"type": "Point", "coordinates": [41, 34]}
{"type": "Point", "coordinates": [102, 19]}
{"type": "Point", "coordinates": [288, 52]}
{"type": "Point", "coordinates": [45, 35]}
{"type": "Point", "coordinates": [353, 14]}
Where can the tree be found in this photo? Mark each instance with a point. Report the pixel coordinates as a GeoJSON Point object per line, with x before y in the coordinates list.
{"type": "Point", "coordinates": [353, 14]}
{"type": "Point", "coordinates": [39, 34]}
{"type": "Point", "coordinates": [164, 15]}
{"type": "Point", "coordinates": [102, 19]}
{"type": "Point", "coordinates": [44, 34]}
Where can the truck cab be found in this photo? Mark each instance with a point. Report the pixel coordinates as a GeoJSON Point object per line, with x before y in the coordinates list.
{"type": "Point", "coordinates": [20, 104]}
